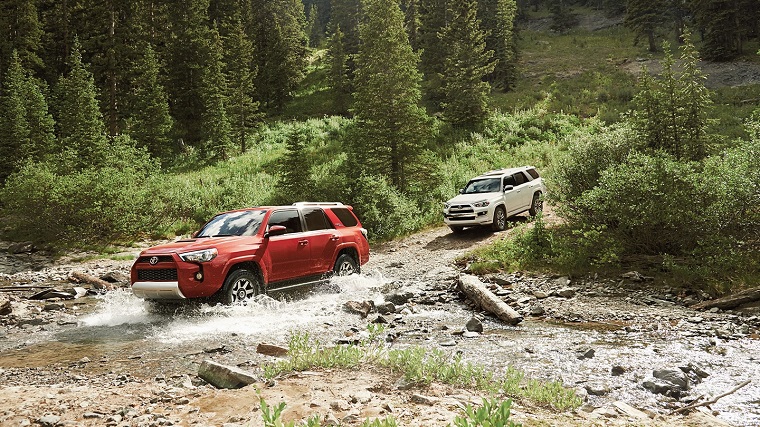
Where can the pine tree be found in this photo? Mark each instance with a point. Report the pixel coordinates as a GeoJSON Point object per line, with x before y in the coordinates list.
{"type": "Point", "coordinates": [432, 22]}
{"type": "Point", "coordinates": [721, 27]}
{"type": "Point", "coordinates": [647, 18]}
{"type": "Point", "coordinates": [241, 74]}
{"type": "Point", "coordinates": [412, 22]}
{"type": "Point", "coordinates": [391, 126]}
{"type": "Point", "coordinates": [151, 123]}
{"type": "Point", "coordinates": [671, 112]}
{"type": "Point", "coordinates": [562, 17]}
{"type": "Point", "coordinates": [338, 71]}
{"type": "Point", "coordinates": [280, 44]}
{"type": "Point", "coordinates": [21, 31]}
{"type": "Point", "coordinates": [14, 129]}
{"type": "Point", "coordinates": [59, 19]}
{"type": "Point", "coordinates": [346, 15]}
{"type": "Point", "coordinates": [498, 22]}
{"type": "Point", "coordinates": [188, 58]}
{"type": "Point", "coordinates": [295, 179]}
{"type": "Point", "coordinates": [215, 125]}
{"type": "Point", "coordinates": [78, 117]}
{"type": "Point", "coordinates": [467, 63]}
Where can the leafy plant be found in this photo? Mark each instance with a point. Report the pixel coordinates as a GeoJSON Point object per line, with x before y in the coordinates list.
{"type": "Point", "coordinates": [491, 414]}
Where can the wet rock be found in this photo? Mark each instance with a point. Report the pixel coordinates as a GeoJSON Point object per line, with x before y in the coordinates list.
{"type": "Point", "coordinates": [271, 350]}
{"type": "Point", "coordinates": [668, 382]}
{"type": "Point", "coordinates": [384, 320]}
{"type": "Point", "coordinates": [222, 376]}
{"type": "Point", "coordinates": [470, 334]}
{"type": "Point", "coordinates": [537, 310]}
{"type": "Point", "coordinates": [5, 306]}
{"type": "Point", "coordinates": [566, 292]}
{"type": "Point", "coordinates": [21, 248]}
{"type": "Point", "coordinates": [597, 389]}
{"type": "Point", "coordinates": [662, 387]}
{"type": "Point", "coordinates": [617, 371]}
{"type": "Point", "coordinates": [585, 353]}
{"type": "Point", "coordinates": [362, 308]}
{"type": "Point", "coordinates": [49, 421]}
{"type": "Point", "coordinates": [399, 298]}
{"type": "Point", "coordinates": [562, 281]}
{"type": "Point", "coordinates": [56, 306]}
{"type": "Point", "coordinates": [540, 294]}
{"type": "Point", "coordinates": [386, 308]}
{"type": "Point", "coordinates": [629, 411]}
{"type": "Point", "coordinates": [448, 343]}
{"type": "Point", "coordinates": [474, 325]}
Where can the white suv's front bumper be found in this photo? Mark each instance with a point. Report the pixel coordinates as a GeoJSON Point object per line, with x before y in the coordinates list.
{"type": "Point", "coordinates": [465, 215]}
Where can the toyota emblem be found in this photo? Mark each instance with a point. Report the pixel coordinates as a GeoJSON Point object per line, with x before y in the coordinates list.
{"type": "Point", "coordinates": [153, 260]}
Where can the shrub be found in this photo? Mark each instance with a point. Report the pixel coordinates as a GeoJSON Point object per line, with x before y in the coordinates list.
{"type": "Point", "coordinates": [384, 211]}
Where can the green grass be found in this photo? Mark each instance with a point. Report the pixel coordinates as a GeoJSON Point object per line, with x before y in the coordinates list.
{"type": "Point", "coordinates": [421, 366]}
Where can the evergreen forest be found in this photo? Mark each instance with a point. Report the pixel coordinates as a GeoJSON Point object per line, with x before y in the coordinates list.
{"type": "Point", "coordinates": [125, 120]}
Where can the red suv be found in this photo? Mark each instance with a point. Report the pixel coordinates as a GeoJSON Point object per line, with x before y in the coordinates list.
{"type": "Point", "coordinates": [242, 253]}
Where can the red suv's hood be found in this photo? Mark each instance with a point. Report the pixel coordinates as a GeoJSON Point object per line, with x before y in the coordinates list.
{"type": "Point", "coordinates": [188, 245]}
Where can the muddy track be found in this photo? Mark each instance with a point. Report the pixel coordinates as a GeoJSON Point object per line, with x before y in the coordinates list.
{"type": "Point", "coordinates": [106, 360]}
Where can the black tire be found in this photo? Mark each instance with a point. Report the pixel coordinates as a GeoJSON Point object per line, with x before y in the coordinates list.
{"type": "Point", "coordinates": [537, 205]}
{"type": "Point", "coordinates": [499, 219]}
{"type": "Point", "coordinates": [240, 287]}
{"type": "Point", "coordinates": [346, 265]}
{"type": "Point", "coordinates": [456, 229]}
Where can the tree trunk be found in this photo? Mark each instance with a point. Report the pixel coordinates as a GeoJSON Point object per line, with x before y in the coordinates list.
{"type": "Point", "coordinates": [477, 292]}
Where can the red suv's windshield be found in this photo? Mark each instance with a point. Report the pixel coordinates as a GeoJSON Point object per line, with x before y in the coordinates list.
{"type": "Point", "coordinates": [243, 223]}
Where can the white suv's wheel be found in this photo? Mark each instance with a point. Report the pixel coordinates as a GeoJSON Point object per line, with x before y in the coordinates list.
{"type": "Point", "coordinates": [499, 219]}
{"type": "Point", "coordinates": [537, 205]}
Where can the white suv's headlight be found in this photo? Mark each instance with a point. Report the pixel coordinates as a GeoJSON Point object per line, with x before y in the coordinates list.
{"type": "Point", "coordinates": [481, 203]}
{"type": "Point", "coordinates": [205, 255]}
{"type": "Point", "coordinates": [446, 205]}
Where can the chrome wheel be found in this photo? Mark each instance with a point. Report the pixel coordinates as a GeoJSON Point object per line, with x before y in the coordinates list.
{"type": "Point", "coordinates": [241, 286]}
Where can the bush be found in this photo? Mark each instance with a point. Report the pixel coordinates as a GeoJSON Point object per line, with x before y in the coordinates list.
{"type": "Point", "coordinates": [384, 211]}
{"type": "Point", "coordinates": [49, 202]}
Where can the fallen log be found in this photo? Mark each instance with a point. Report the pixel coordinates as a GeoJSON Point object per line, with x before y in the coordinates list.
{"type": "Point", "coordinates": [92, 281]}
{"type": "Point", "coordinates": [478, 293]}
{"type": "Point", "coordinates": [730, 301]}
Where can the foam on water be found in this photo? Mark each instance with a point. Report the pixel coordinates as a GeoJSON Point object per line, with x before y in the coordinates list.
{"type": "Point", "coordinates": [119, 307]}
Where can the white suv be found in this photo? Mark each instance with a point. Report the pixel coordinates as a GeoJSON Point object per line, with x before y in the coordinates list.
{"type": "Point", "coordinates": [491, 198]}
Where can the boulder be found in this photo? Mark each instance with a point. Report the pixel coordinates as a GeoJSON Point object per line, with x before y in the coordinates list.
{"type": "Point", "coordinates": [22, 248]}
{"type": "Point", "coordinates": [386, 308]}
{"type": "Point", "coordinates": [362, 308]}
{"type": "Point", "coordinates": [222, 376]}
{"type": "Point", "coordinates": [674, 376]}
{"type": "Point", "coordinates": [5, 306]}
{"type": "Point", "coordinates": [399, 298]}
{"type": "Point", "coordinates": [115, 277]}
{"type": "Point", "coordinates": [474, 325]}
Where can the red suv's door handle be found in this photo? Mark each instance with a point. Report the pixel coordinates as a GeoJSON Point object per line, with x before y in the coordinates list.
{"type": "Point", "coordinates": [335, 238]}
{"type": "Point", "coordinates": [303, 242]}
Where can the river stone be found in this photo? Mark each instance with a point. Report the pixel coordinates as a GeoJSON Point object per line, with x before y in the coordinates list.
{"type": "Point", "coordinates": [662, 387]}
{"type": "Point", "coordinates": [566, 292]}
{"type": "Point", "coordinates": [362, 308]}
{"type": "Point", "coordinates": [674, 376]}
{"type": "Point", "coordinates": [386, 308]}
{"type": "Point", "coordinates": [597, 389]}
{"type": "Point", "coordinates": [617, 370]}
{"type": "Point", "coordinates": [271, 350]}
{"type": "Point", "coordinates": [399, 298]}
{"type": "Point", "coordinates": [222, 376]}
{"type": "Point", "coordinates": [585, 353]}
{"type": "Point", "coordinates": [49, 421]}
{"type": "Point", "coordinates": [115, 277]}
{"type": "Point", "coordinates": [470, 334]}
{"type": "Point", "coordinates": [540, 294]}
{"type": "Point", "coordinates": [474, 325]}
{"type": "Point", "coordinates": [21, 247]}
{"type": "Point", "coordinates": [537, 310]}
{"type": "Point", "coordinates": [5, 306]}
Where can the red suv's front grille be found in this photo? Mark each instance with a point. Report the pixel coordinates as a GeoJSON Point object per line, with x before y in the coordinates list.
{"type": "Point", "coordinates": [159, 258]}
{"type": "Point", "coordinates": [157, 275]}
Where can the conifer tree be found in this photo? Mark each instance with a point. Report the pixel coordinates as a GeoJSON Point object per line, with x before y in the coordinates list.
{"type": "Point", "coordinates": [21, 31]}
{"type": "Point", "coordinates": [338, 71]}
{"type": "Point", "coordinates": [240, 72]}
{"type": "Point", "coordinates": [391, 126]}
{"type": "Point", "coordinates": [346, 15]}
{"type": "Point", "coordinates": [295, 179]}
{"type": "Point", "coordinates": [672, 112]}
{"type": "Point", "coordinates": [466, 65]}
{"type": "Point", "coordinates": [432, 22]}
{"type": "Point", "coordinates": [215, 125]}
{"type": "Point", "coordinates": [412, 22]}
{"type": "Point", "coordinates": [647, 19]}
{"type": "Point", "coordinates": [188, 58]}
{"type": "Point", "coordinates": [720, 21]}
{"type": "Point", "coordinates": [280, 44]}
{"type": "Point", "coordinates": [498, 22]}
{"type": "Point", "coordinates": [151, 123]}
{"type": "Point", "coordinates": [77, 114]}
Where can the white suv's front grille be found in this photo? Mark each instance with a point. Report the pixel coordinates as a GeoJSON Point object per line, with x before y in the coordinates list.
{"type": "Point", "coordinates": [461, 209]}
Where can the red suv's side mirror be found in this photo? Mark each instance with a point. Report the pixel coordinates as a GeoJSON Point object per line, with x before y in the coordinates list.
{"type": "Point", "coordinates": [276, 230]}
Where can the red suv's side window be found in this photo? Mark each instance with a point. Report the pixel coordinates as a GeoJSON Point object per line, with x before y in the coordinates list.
{"type": "Point", "coordinates": [345, 216]}
{"type": "Point", "coordinates": [288, 219]}
{"type": "Point", "coordinates": [316, 219]}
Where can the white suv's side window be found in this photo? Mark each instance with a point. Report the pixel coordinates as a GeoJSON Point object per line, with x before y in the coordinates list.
{"type": "Point", "coordinates": [519, 178]}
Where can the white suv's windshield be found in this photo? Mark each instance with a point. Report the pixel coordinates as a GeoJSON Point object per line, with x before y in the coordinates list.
{"type": "Point", "coordinates": [245, 223]}
{"type": "Point", "coordinates": [487, 185]}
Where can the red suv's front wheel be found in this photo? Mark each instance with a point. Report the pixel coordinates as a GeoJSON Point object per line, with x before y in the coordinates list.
{"type": "Point", "coordinates": [240, 287]}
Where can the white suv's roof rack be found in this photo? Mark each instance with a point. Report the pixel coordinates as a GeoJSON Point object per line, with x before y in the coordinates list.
{"type": "Point", "coordinates": [301, 204]}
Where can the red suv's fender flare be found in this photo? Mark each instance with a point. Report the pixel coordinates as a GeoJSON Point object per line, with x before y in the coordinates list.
{"type": "Point", "coordinates": [246, 259]}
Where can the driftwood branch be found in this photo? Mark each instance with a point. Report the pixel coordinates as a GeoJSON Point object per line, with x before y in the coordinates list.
{"type": "Point", "coordinates": [711, 401]}
{"type": "Point", "coordinates": [92, 281]}
{"type": "Point", "coordinates": [477, 292]}
{"type": "Point", "coordinates": [730, 301]}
